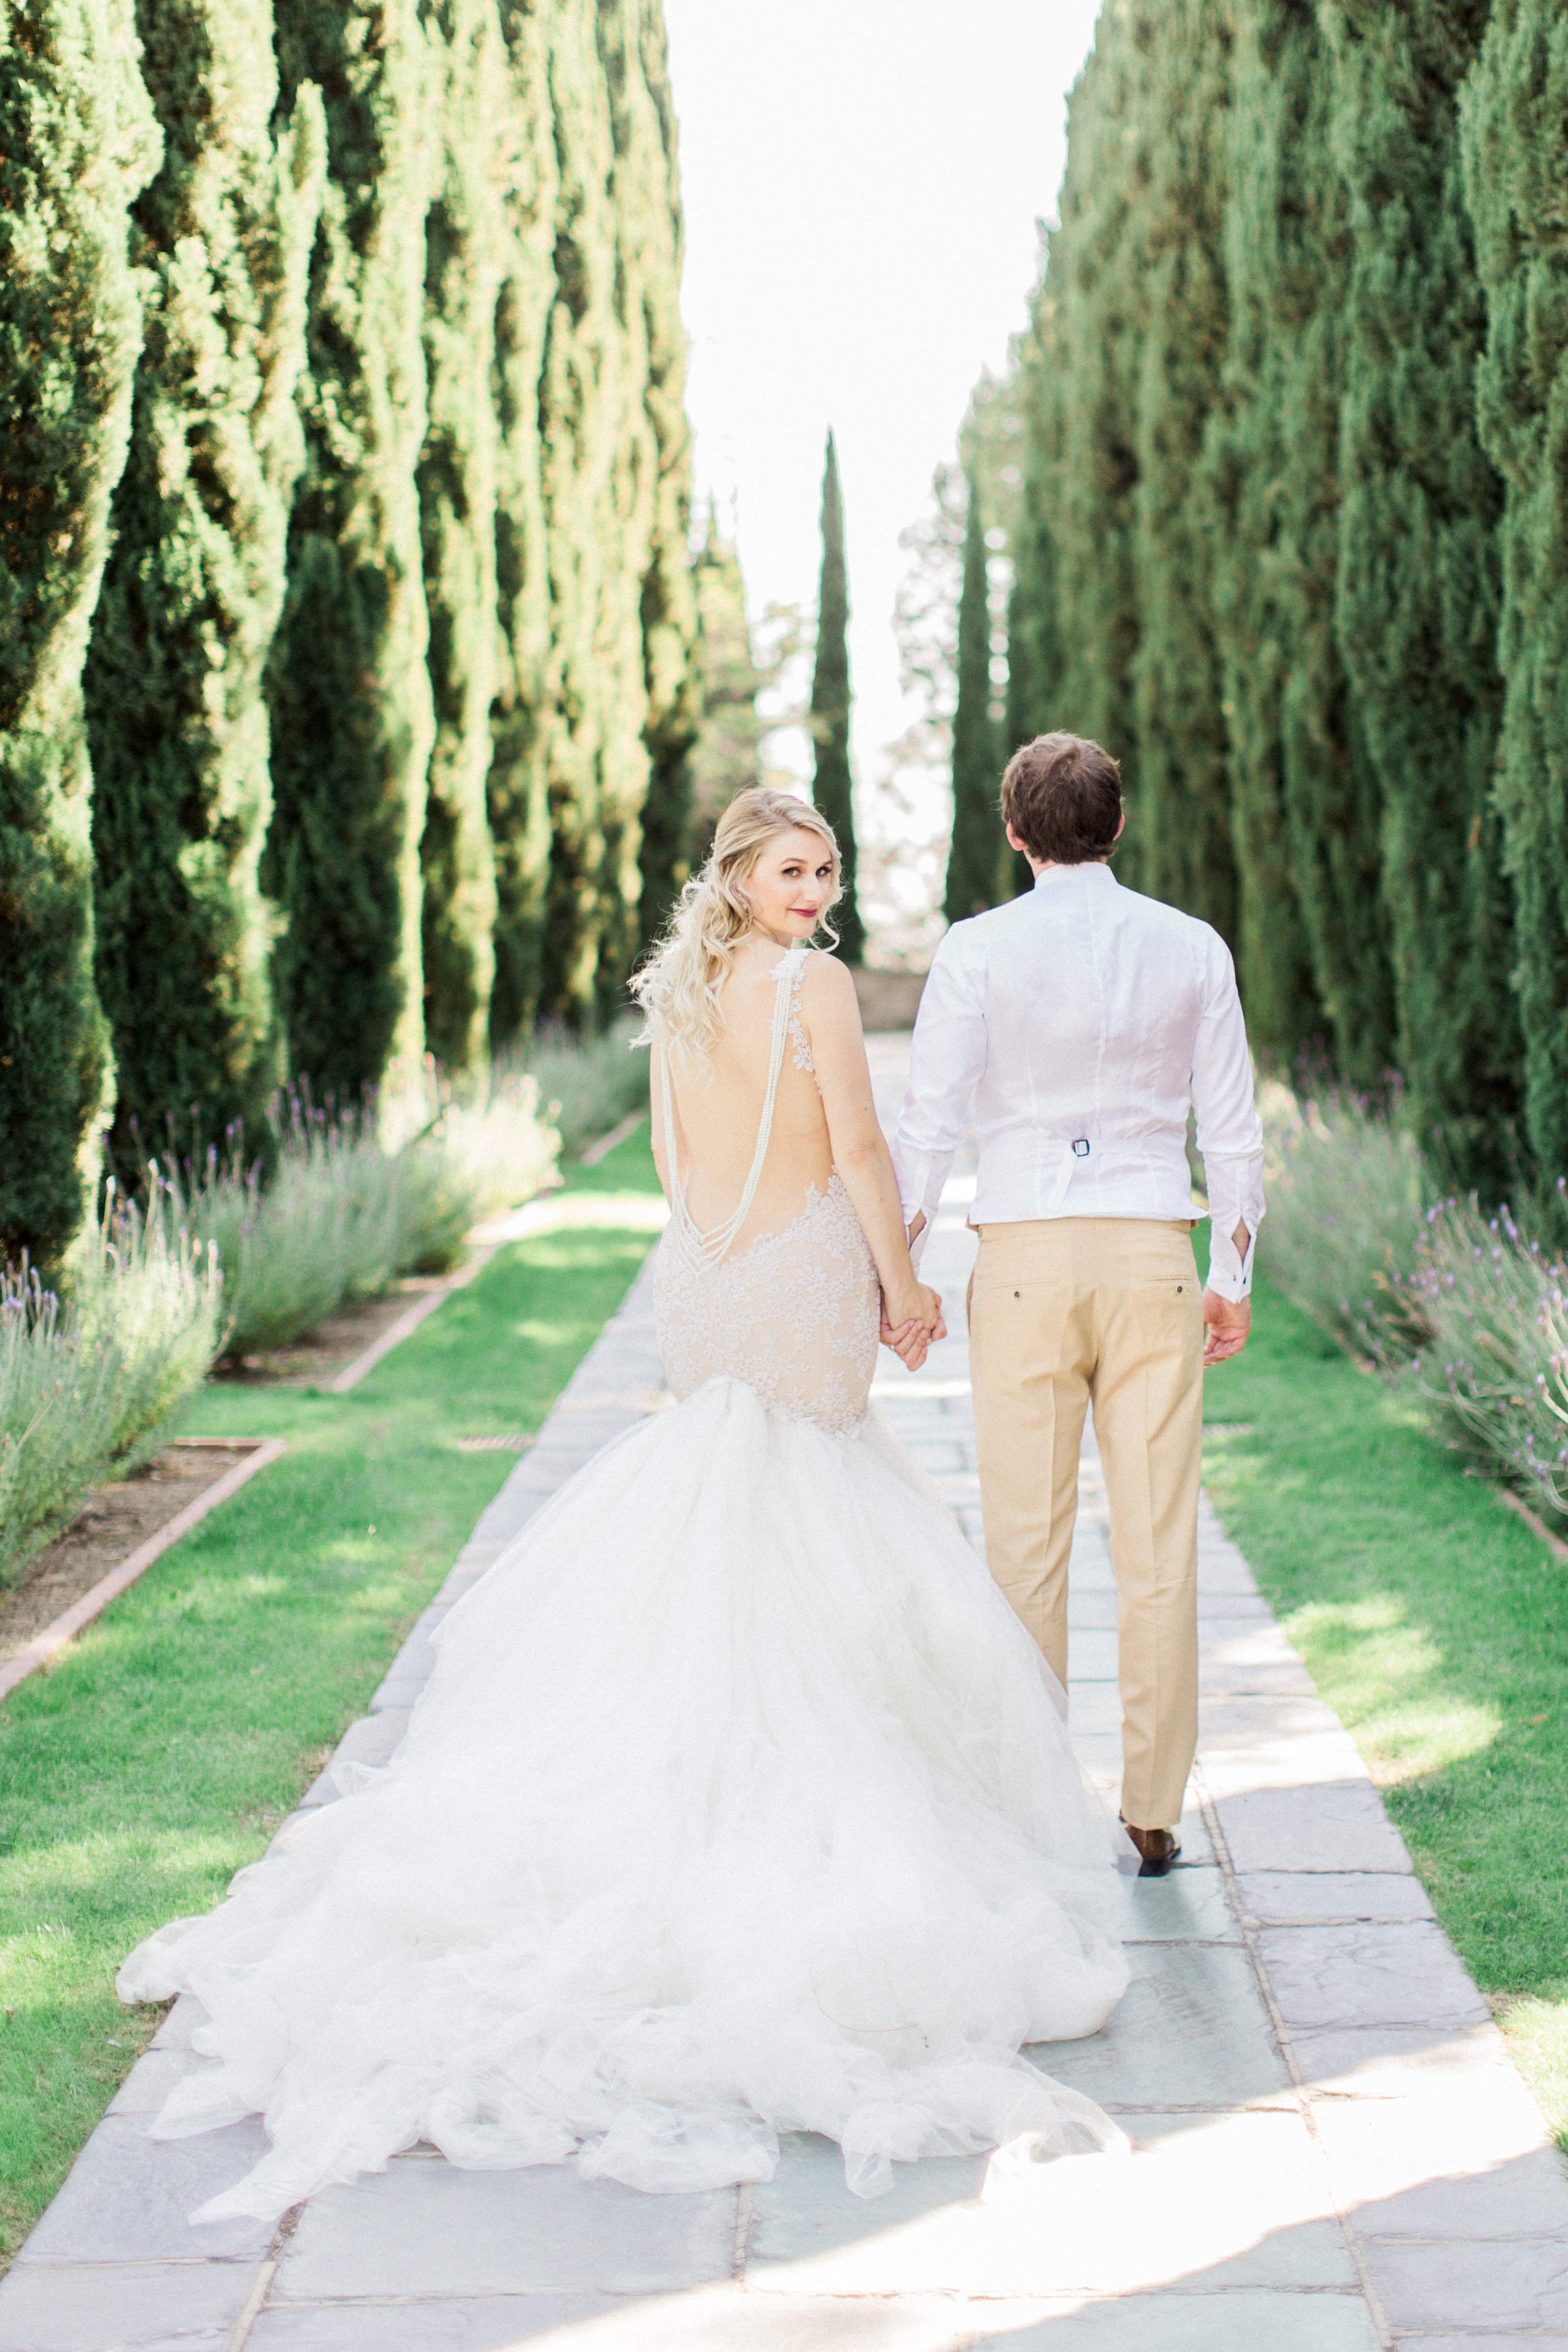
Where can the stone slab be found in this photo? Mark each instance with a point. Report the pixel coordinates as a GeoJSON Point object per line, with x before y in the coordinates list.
{"type": "Point", "coordinates": [150, 2079]}
{"type": "Point", "coordinates": [399, 1692]}
{"type": "Point", "coordinates": [1091, 1608]}
{"type": "Point", "coordinates": [1263, 1740]}
{"type": "Point", "coordinates": [373, 1739]}
{"type": "Point", "coordinates": [1477, 2166]}
{"type": "Point", "coordinates": [1094, 1708]}
{"type": "Point", "coordinates": [456, 2323]}
{"type": "Point", "coordinates": [1091, 1656]}
{"type": "Point", "coordinates": [1403, 1974]}
{"type": "Point", "coordinates": [1402, 2061]}
{"type": "Point", "coordinates": [1520, 2284]}
{"type": "Point", "coordinates": [1336, 1825]}
{"type": "Point", "coordinates": [1184, 2323]}
{"type": "Point", "coordinates": [1190, 2030]}
{"type": "Point", "coordinates": [1089, 1569]}
{"type": "Point", "coordinates": [731, 2319]}
{"type": "Point", "coordinates": [1230, 2201]}
{"type": "Point", "coordinates": [423, 2228]}
{"type": "Point", "coordinates": [134, 2306]}
{"type": "Point", "coordinates": [1188, 1906]}
{"type": "Point", "coordinates": [129, 2199]}
{"type": "Point", "coordinates": [1239, 1654]}
{"type": "Point", "coordinates": [1278, 1898]}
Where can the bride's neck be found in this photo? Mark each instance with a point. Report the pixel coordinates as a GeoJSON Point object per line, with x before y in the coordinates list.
{"type": "Point", "coordinates": [763, 932]}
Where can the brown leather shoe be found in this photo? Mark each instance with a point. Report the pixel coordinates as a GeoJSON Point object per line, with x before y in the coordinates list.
{"type": "Point", "coordinates": [1158, 1849]}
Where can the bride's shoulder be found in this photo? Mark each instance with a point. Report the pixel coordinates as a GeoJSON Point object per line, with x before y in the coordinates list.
{"type": "Point", "coordinates": [827, 989]}
{"type": "Point", "coordinates": [827, 976]}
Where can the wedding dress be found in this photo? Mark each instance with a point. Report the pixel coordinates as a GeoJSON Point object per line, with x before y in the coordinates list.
{"type": "Point", "coordinates": [739, 1802]}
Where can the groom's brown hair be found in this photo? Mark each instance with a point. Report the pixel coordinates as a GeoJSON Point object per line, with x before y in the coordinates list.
{"type": "Point", "coordinates": [1062, 796]}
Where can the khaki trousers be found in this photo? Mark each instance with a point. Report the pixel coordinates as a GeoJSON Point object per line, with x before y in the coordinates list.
{"type": "Point", "coordinates": [1061, 1311]}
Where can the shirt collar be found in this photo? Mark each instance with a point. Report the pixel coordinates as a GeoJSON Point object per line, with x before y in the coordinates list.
{"type": "Point", "coordinates": [1093, 872]}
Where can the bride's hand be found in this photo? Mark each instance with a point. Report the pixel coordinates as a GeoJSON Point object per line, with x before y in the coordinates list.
{"type": "Point", "coordinates": [910, 1332]}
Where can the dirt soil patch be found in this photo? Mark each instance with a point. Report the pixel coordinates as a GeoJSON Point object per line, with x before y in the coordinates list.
{"type": "Point", "coordinates": [113, 1523]}
{"type": "Point", "coordinates": [323, 1353]}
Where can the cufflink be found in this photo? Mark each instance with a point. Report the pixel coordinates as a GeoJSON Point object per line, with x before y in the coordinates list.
{"type": "Point", "coordinates": [1080, 1146]}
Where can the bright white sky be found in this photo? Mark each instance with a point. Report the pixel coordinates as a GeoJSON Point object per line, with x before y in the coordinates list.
{"type": "Point", "coordinates": [862, 179]}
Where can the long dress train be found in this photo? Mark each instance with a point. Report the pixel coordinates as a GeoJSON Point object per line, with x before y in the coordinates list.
{"type": "Point", "coordinates": [739, 1802]}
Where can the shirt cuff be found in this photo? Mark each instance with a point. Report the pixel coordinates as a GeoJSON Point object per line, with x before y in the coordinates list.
{"type": "Point", "coordinates": [920, 1193]}
{"type": "Point", "coordinates": [1230, 1277]}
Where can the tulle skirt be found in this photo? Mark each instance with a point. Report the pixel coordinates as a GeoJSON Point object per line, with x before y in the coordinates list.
{"type": "Point", "coordinates": [739, 1803]}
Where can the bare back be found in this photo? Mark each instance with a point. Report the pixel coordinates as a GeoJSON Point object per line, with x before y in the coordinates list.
{"type": "Point", "coordinates": [779, 1290]}
{"type": "Point", "coordinates": [719, 1109]}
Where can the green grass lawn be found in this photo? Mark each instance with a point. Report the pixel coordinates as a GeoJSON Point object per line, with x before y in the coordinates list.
{"type": "Point", "coordinates": [1437, 1625]}
{"type": "Point", "coordinates": [158, 1756]}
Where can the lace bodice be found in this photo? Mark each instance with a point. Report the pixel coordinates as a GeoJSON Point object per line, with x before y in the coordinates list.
{"type": "Point", "coordinates": [794, 1315]}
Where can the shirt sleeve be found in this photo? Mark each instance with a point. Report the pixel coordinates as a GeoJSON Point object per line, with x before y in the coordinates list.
{"type": "Point", "coordinates": [947, 1055]}
{"type": "Point", "coordinates": [1230, 1133]}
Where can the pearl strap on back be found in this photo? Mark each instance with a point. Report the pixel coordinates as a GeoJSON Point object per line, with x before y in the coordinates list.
{"type": "Point", "coordinates": [705, 1251]}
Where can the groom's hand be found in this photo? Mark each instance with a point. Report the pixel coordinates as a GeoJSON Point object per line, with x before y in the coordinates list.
{"type": "Point", "coordinates": [1226, 1322]}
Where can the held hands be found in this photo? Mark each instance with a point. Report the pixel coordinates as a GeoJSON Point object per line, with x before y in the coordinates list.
{"type": "Point", "coordinates": [913, 1320]}
{"type": "Point", "coordinates": [910, 1324]}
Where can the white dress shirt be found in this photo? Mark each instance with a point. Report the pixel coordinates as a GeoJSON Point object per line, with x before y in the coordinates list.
{"type": "Point", "coordinates": [1084, 1018]}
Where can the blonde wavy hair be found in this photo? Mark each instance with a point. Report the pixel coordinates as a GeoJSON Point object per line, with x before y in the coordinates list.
{"type": "Point", "coordinates": [678, 988]}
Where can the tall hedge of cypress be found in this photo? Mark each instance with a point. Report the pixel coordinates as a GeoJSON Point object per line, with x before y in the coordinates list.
{"type": "Point", "coordinates": [408, 490]}
{"type": "Point", "coordinates": [651, 240]}
{"type": "Point", "coordinates": [78, 143]}
{"type": "Point", "coordinates": [974, 860]}
{"type": "Point", "coordinates": [595, 467]}
{"type": "Point", "coordinates": [1330, 784]}
{"type": "Point", "coordinates": [1094, 296]}
{"type": "Point", "coordinates": [353, 721]}
{"type": "Point", "coordinates": [1418, 587]}
{"type": "Point", "coordinates": [1513, 111]}
{"type": "Point", "coordinates": [1037, 654]}
{"type": "Point", "coordinates": [1271, 277]}
{"type": "Point", "coordinates": [517, 785]}
{"type": "Point", "coordinates": [176, 711]}
{"type": "Point", "coordinates": [1184, 852]}
{"type": "Point", "coordinates": [831, 699]}
{"type": "Point", "coordinates": [465, 259]}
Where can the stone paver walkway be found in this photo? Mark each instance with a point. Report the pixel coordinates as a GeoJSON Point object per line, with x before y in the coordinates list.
{"type": "Point", "coordinates": [1331, 2150]}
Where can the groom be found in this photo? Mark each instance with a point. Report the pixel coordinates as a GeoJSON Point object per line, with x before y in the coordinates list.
{"type": "Point", "coordinates": [1084, 1019]}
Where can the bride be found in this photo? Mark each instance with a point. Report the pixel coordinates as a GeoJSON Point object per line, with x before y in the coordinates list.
{"type": "Point", "coordinates": [738, 1801]}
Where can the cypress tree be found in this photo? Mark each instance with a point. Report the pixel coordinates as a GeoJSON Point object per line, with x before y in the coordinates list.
{"type": "Point", "coordinates": [579, 411]}
{"type": "Point", "coordinates": [521, 718]}
{"type": "Point", "coordinates": [1037, 656]}
{"type": "Point", "coordinates": [651, 236]}
{"type": "Point", "coordinates": [350, 691]}
{"type": "Point", "coordinates": [1513, 109]}
{"type": "Point", "coordinates": [1330, 784]}
{"type": "Point", "coordinates": [678, 833]}
{"type": "Point", "coordinates": [173, 682]}
{"type": "Point", "coordinates": [976, 861]}
{"type": "Point", "coordinates": [78, 141]}
{"type": "Point", "coordinates": [1271, 278]}
{"type": "Point", "coordinates": [1094, 299]}
{"type": "Point", "coordinates": [465, 259]}
{"type": "Point", "coordinates": [1418, 591]}
{"type": "Point", "coordinates": [1185, 844]}
{"type": "Point", "coordinates": [1276, 448]}
{"type": "Point", "coordinates": [614, 481]}
{"type": "Point", "coordinates": [830, 705]}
